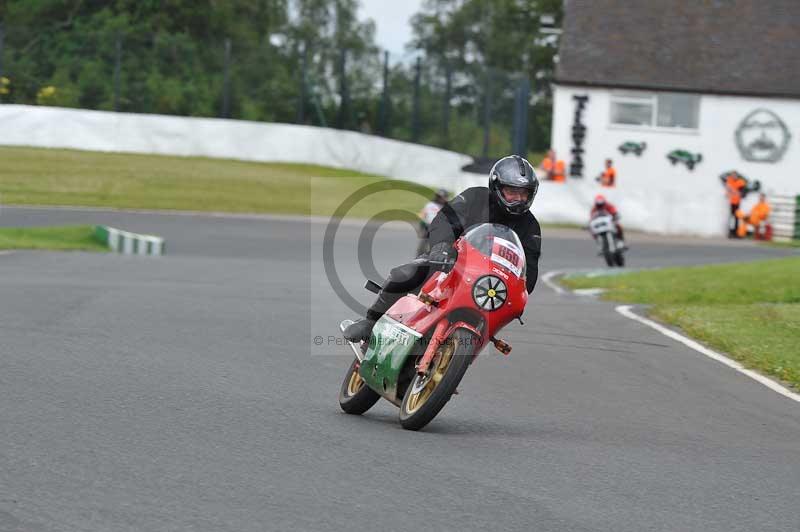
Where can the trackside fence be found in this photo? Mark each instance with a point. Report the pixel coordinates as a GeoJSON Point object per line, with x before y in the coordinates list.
{"type": "Point", "coordinates": [786, 217]}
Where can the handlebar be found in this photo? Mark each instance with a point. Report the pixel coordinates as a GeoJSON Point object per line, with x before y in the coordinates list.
{"type": "Point", "coordinates": [442, 265]}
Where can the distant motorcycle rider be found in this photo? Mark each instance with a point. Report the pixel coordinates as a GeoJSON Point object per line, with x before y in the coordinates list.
{"type": "Point", "coordinates": [601, 206]}
{"type": "Point", "coordinates": [512, 187]}
{"type": "Point", "coordinates": [427, 215]}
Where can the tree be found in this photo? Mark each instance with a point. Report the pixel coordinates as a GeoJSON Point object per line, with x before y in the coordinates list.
{"type": "Point", "coordinates": [173, 53]}
{"type": "Point", "coordinates": [490, 43]}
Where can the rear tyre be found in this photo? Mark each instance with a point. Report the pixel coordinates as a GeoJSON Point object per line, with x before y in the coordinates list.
{"type": "Point", "coordinates": [427, 394]}
{"type": "Point", "coordinates": [619, 259]}
{"type": "Point", "coordinates": [355, 397]}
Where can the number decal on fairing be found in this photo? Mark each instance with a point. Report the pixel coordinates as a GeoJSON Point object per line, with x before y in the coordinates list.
{"type": "Point", "coordinates": [508, 255]}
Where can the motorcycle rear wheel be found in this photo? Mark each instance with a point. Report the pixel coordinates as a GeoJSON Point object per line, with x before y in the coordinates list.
{"type": "Point", "coordinates": [355, 397]}
{"type": "Point", "coordinates": [427, 394]}
{"type": "Point", "coordinates": [619, 259]}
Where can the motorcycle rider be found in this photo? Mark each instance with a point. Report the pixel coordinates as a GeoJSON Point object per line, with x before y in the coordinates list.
{"type": "Point", "coordinates": [601, 206]}
{"type": "Point", "coordinates": [512, 187]}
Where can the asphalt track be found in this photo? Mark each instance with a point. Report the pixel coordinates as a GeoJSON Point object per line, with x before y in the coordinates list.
{"type": "Point", "coordinates": [186, 393]}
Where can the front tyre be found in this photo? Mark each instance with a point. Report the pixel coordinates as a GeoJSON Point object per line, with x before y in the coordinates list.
{"type": "Point", "coordinates": [427, 394]}
{"type": "Point", "coordinates": [619, 259]}
{"type": "Point", "coordinates": [355, 397]}
{"type": "Point", "coordinates": [607, 254]}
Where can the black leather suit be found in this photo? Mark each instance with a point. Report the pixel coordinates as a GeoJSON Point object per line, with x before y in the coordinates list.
{"type": "Point", "coordinates": [471, 207]}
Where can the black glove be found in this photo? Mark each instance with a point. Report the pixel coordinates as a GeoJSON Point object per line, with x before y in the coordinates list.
{"type": "Point", "coordinates": [439, 255]}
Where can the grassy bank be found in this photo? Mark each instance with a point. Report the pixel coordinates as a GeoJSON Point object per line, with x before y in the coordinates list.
{"type": "Point", "coordinates": [67, 177]}
{"type": "Point", "coordinates": [751, 311]}
{"type": "Point", "coordinates": [789, 244]}
{"type": "Point", "coordinates": [75, 237]}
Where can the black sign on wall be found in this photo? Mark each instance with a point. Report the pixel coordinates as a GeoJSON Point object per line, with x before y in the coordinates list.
{"type": "Point", "coordinates": [578, 136]}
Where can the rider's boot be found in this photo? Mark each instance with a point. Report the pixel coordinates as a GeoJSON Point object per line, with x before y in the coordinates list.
{"type": "Point", "coordinates": [362, 329]}
{"type": "Point", "coordinates": [359, 330]}
{"type": "Point", "coordinates": [402, 280]}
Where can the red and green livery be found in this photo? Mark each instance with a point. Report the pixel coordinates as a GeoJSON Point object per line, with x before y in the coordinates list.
{"type": "Point", "coordinates": [422, 347]}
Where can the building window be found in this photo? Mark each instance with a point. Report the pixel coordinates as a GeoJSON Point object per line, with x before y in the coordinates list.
{"type": "Point", "coordinates": [667, 110]}
{"type": "Point", "coordinates": [632, 110]}
{"type": "Point", "coordinates": [677, 110]}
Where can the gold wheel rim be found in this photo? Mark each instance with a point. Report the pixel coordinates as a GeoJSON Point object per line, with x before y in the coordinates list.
{"type": "Point", "coordinates": [355, 383]}
{"type": "Point", "coordinates": [436, 371]}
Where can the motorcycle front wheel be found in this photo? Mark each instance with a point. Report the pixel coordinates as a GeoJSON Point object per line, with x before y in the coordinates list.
{"type": "Point", "coordinates": [355, 397]}
{"type": "Point", "coordinates": [607, 254]}
{"type": "Point", "coordinates": [427, 394]}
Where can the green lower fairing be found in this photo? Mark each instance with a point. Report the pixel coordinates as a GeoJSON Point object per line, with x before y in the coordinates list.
{"type": "Point", "coordinates": [389, 348]}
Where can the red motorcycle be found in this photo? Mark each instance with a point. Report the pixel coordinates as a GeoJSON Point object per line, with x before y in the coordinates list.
{"type": "Point", "coordinates": [421, 348]}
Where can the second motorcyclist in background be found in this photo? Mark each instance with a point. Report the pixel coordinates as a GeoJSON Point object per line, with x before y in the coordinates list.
{"type": "Point", "coordinates": [512, 187]}
{"type": "Point", "coordinates": [426, 216]}
{"type": "Point", "coordinates": [602, 206]}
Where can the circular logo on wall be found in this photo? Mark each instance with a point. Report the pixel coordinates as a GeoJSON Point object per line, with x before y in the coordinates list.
{"type": "Point", "coordinates": [762, 137]}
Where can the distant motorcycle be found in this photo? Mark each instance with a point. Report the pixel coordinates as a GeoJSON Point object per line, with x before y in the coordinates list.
{"type": "Point", "coordinates": [604, 231]}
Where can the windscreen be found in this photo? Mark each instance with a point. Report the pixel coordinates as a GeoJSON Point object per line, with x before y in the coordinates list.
{"type": "Point", "coordinates": [499, 243]}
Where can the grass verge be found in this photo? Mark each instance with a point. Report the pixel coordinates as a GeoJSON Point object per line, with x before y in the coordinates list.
{"type": "Point", "coordinates": [36, 176]}
{"type": "Point", "coordinates": [130, 181]}
{"type": "Point", "coordinates": [750, 310]}
{"type": "Point", "coordinates": [72, 237]}
{"type": "Point", "coordinates": [789, 244]}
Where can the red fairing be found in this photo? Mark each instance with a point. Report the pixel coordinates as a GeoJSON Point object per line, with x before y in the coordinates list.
{"type": "Point", "coordinates": [453, 292]}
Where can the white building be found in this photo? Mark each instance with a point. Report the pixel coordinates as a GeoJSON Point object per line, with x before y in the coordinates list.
{"type": "Point", "coordinates": [719, 80]}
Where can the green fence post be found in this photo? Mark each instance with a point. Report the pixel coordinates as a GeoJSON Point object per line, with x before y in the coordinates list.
{"type": "Point", "coordinates": [343, 119]}
{"type": "Point", "coordinates": [1, 48]}
{"type": "Point", "coordinates": [415, 118]}
{"type": "Point", "coordinates": [448, 87]}
{"type": "Point", "coordinates": [226, 84]}
{"type": "Point", "coordinates": [383, 115]}
{"type": "Point", "coordinates": [487, 111]}
{"type": "Point", "coordinates": [117, 70]}
{"type": "Point", "coordinates": [796, 235]}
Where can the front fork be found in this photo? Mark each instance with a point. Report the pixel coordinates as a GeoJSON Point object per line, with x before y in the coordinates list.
{"type": "Point", "coordinates": [437, 338]}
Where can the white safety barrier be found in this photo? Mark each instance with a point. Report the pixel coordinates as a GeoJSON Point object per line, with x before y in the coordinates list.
{"type": "Point", "coordinates": [53, 127]}
{"type": "Point", "coordinates": [785, 217]}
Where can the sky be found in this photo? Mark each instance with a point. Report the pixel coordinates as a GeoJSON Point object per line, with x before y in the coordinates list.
{"type": "Point", "coordinates": [391, 17]}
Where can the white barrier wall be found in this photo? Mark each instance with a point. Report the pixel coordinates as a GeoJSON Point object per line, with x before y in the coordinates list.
{"type": "Point", "coordinates": [52, 127]}
{"type": "Point", "coordinates": [655, 195]}
{"type": "Point", "coordinates": [647, 202]}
